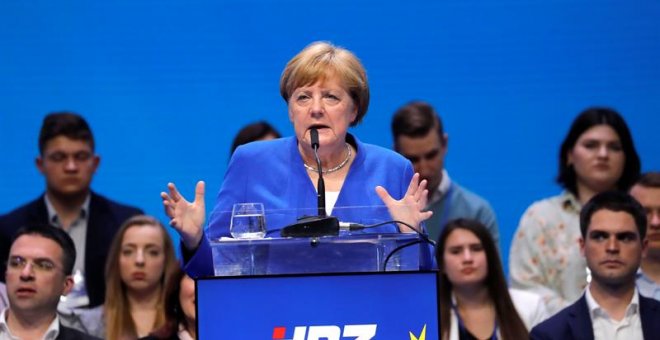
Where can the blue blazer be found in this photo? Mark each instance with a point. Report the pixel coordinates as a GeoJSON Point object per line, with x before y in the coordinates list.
{"type": "Point", "coordinates": [105, 218]}
{"type": "Point", "coordinates": [574, 322]}
{"type": "Point", "coordinates": [272, 172]}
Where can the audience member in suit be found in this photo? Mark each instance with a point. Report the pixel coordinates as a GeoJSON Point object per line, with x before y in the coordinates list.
{"type": "Point", "coordinates": [597, 154]}
{"type": "Point", "coordinates": [419, 136]}
{"type": "Point", "coordinates": [39, 271]}
{"type": "Point", "coordinates": [613, 227]}
{"type": "Point", "coordinates": [182, 301]}
{"type": "Point", "coordinates": [475, 302]}
{"type": "Point", "coordinates": [647, 192]}
{"type": "Point", "coordinates": [254, 132]}
{"type": "Point", "coordinates": [141, 276]}
{"type": "Point", "coordinates": [68, 162]}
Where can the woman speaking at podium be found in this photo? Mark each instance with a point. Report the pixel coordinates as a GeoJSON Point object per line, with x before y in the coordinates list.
{"type": "Point", "coordinates": [326, 89]}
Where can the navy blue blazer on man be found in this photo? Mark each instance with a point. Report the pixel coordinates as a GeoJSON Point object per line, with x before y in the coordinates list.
{"type": "Point", "coordinates": [67, 333]}
{"type": "Point", "coordinates": [105, 218]}
{"type": "Point", "coordinates": [574, 322]}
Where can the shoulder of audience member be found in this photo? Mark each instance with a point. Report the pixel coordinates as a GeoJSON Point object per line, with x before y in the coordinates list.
{"type": "Point", "coordinates": [530, 302]}
{"type": "Point", "coordinates": [67, 333]}
{"type": "Point", "coordinates": [650, 302]}
{"type": "Point", "coordinates": [476, 202]}
{"type": "Point", "coordinates": [19, 213]}
{"type": "Point", "coordinates": [555, 325]}
{"type": "Point", "coordinates": [115, 207]}
{"type": "Point", "coordinates": [542, 208]}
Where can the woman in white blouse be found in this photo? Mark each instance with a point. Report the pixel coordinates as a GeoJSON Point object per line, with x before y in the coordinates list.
{"type": "Point", "coordinates": [598, 154]}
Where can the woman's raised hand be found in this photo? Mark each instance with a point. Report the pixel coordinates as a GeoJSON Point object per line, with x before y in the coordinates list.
{"type": "Point", "coordinates": [410, 207]}
{"type": "Point", "coordinates": [186, 217]}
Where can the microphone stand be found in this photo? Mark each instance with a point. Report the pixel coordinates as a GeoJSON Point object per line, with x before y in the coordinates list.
{"type": "Point", "coordinates": [320, 184]}
{"type": "Point", "coordinates": [320, 225]}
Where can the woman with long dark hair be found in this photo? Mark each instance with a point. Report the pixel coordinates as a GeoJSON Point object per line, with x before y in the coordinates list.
{"type": "Point", "coordinates": [181, 306]}
{"type": "Point", "coordinates": [598, 154]}
{"type": "Point", "coordinates": [475, 302]}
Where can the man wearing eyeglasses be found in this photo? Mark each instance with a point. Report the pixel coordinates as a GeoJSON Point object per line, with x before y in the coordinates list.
{"type": "Point", "coordinates": [39, 271]}
{"type": "Point", "coordinates": [68, 163]}
{"type": "Point", "coordinates": [419, 136]}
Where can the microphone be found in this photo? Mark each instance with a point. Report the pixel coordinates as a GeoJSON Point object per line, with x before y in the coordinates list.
{"type": "Point", "coordinates": [314, 136]}
{"type": "Point", "coordinates": [320, 225]}
{"type": "Point", "coordinates": [320, 184]}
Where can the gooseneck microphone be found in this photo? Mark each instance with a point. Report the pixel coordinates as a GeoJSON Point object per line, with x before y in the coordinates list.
{"type": "Point", "coordinates": [320, 225]}
{"type": "Point", "coordinates": [320, 184]}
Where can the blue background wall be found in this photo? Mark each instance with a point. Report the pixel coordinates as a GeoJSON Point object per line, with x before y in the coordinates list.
{"type": "Point", "coordinates": [166, 84]}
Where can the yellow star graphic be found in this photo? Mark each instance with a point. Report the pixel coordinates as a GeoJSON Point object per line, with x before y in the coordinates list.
{"type": "Point", "coordinates": [422, 336]}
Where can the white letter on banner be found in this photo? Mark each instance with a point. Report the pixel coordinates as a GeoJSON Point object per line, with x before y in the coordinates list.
{"type": "Point", "coordinates": [360, 332]}
{"type": "Point", "coordinates": [299, 333]}
{"type": "Point", "coordinates": [324, 332]}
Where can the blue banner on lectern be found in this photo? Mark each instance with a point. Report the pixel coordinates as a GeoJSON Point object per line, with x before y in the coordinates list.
{"type": "Point", "coordinates": [382, 305]}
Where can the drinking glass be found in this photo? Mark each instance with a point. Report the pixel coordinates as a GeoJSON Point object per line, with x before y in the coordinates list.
{"type": "Point", "coordinates": [248, 221]}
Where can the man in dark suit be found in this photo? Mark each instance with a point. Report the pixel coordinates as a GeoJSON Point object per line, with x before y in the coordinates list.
{"type": "Point", "coordinates": [68, 162]}
{"type": "Point", "coordinates": [39, 271]}
{"type": "Point", "coordinates": [613, 227]}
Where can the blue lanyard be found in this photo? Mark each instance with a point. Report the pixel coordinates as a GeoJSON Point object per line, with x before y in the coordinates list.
{"type": "Point", "coordinates": [461, 325]}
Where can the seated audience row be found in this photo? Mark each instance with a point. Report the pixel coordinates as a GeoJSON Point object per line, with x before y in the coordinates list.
{"type": "Point", "coordinates": [148, 295]}
{"type": "Point", "coordinates": [476, 304]}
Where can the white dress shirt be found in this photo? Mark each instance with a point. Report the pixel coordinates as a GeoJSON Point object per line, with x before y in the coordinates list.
{"type": "Point", "coordinates": [606, 328]}
{"type": "Point", "coordinates": [5, 333]}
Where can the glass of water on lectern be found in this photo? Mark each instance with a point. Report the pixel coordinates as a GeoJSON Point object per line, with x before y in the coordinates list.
{"type": "Point", "coordinates": [248, 221]}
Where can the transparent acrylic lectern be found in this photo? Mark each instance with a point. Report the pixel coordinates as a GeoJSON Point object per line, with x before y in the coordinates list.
{"type": "Point", "coordinates": [330, 254]}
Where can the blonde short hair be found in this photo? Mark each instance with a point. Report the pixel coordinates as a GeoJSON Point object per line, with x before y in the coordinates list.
{"type": "Point", "coordinates": [320, 60]}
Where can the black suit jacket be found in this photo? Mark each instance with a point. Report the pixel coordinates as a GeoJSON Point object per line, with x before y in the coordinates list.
{"type": "Point", "coordinates": [105, 218]}
{"type": "Point", "coordinates": [574, 322]}
{"type": "Point", "coordinates": [67, 333]}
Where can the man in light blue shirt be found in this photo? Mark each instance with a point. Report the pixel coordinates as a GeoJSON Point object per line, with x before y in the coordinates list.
{"type": "Point", "coordinates": [419, 136]}
{"type": "Point", "coordinates": [647, 192]}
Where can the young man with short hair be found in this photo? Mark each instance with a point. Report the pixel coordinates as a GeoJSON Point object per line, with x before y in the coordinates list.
{"type": "Point", "coordinates": [68, 162]}
{"type": "Point", "coordinates": [419, 136]}
{"type": "Point", "coordinates": [613, 226]}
